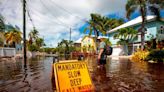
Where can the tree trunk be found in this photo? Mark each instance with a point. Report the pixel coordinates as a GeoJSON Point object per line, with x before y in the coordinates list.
{"type": "Point", "coordinates": [143, 15]}
{"type": "Point", "coordinates": [142, 38]}
{"type": "Point", "coordinates": [96, 35]}
{"type": "Point", "coordinates": [125, 48]}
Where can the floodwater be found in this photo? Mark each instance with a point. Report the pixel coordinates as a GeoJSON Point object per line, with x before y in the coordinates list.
{"type": "Point", "coordinates": [117, 76]}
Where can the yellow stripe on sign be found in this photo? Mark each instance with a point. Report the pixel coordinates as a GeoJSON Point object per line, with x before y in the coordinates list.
{"type": "Point", "coordinates": [73, 77]}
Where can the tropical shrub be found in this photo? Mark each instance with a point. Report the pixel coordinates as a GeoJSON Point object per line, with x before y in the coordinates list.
{"type": "Point", "coordinates": [139, 56]}
{"type": "Point", "coordinates": [156, 55]}
{"type": "Point", "coordinates": [41, 50]}
{"type": "Point", "coordinates": [48, 50]}
{"type": "Point", "coordinates": [84, 48]}
{"type": "Point", "coordinates": [33, 47]}
{"type": "Point", "coordinates": [78, 49]}
{"type": "Point", "coordinates": [1, 42]}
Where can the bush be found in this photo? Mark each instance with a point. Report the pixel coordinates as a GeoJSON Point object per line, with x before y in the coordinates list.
{"type": "Point", "coordinates": [139, 56]}
{"type": "Point", "coordinates": [156, 55]}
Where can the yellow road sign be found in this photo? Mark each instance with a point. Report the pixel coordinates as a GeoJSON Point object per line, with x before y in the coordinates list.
{"type": "Point", "coordinates": [72, 77]}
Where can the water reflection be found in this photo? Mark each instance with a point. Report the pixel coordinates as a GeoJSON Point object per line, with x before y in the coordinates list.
{"type": "Point", "coordinates": [101, 80]}
{"type": "Point", "coordinates": [36, 77]}
{"type": "Point", "coordinates": [125, 76]}
{"type": "Point", "coordinates": [119, 75]}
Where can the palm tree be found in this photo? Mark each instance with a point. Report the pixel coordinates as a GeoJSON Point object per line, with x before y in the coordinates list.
{"type": "Point", "coordinates": [93, 26]}
{"type": "Point", "coordinates": [63, 47]}
{"type": "Point", "coordinates": [2, 38]}
{"type": "Point", "coordinates": [2, 24]}
{"type": "Point", "coordinates": [2, 30]}
{"type": "Point", "coordinates": [40, 42]}
{"type": "Point", "coordinates": [126, 36]}
{"type": "Point", "coordinates": [143, 6]}
{"type": "Point", "coordinates": [101, 24]}
{"type": "Point", "coordinates": [115, 23]}
{"type": "Point", "coordinates": [33, 35]}
{"type": "Point", "coordinates": [13, 37]}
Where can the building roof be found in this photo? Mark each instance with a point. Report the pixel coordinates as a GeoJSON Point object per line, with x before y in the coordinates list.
{"type": "Point", "coordinates": [93, 36]}
{"type": "Point", "coordinates": [79, 40]}
{"type": "Point", "coordinates": [133, 22]}
{"type": "Point", "coordinates": [102, 37]}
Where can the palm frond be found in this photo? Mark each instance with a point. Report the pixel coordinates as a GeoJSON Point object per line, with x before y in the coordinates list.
{"type": "Point", "coordinates": [155, 11]}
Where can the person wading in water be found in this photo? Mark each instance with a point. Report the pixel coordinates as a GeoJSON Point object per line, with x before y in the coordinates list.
{"type": "Point", "coordinates": [101, 55]}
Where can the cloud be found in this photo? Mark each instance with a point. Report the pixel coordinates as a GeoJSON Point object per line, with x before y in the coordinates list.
{"type": "Point", "coordinates": [54, 18]}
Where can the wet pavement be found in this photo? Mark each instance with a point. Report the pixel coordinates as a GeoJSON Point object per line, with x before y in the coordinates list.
{"type": "Point", "coordinates": [117, 76]}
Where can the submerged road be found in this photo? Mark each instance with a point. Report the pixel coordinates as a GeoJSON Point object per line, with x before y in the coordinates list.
{"type": "Point", "coordinates": [119, 75]}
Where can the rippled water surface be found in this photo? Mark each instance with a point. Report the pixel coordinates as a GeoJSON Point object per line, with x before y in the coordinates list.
{"type": "Point", "coordinates": [117, 76]}
{"type": "Point", "coordinates": [36, 78]}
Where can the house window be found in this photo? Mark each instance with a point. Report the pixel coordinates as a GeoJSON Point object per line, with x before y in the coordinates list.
{"type": "Point", "coordinates": [161, 31]}
{"type": "Point", "coordinates": [145, 30]}
{"type": "Point", "coordinates": [88, 41]}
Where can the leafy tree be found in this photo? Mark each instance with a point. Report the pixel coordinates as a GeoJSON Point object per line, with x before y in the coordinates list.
{"type": "Point", "coordinates": [143, 6]}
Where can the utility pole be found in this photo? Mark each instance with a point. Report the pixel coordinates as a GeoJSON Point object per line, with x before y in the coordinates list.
{"type": "Point", "coordinates": [24, 32]}
{"type": "Point", "coordinates": [70, 44]}
{"type": "Point", "coordinates": [70, 35]}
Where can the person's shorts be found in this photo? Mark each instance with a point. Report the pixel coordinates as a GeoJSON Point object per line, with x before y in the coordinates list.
{"type": "Point", "coordinates": [101, 62]}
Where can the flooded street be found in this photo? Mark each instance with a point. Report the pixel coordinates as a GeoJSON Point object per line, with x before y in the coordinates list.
{"type": "Point", "coordinates": [36, 78]}
{"type": "Point", "coordinates": [127, 76]}
{"type": "Point", "coordinates": [117, 76]}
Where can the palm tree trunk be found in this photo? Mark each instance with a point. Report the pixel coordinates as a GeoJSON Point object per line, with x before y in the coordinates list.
{"type": "Point", "coordinates": [142, 39]}
{"type": "Point", "coordinates": [96, 35]}
{"type": "Point", "coordinates": [125, 48]}
{"type": "Point", "coordinates": [143, 14]}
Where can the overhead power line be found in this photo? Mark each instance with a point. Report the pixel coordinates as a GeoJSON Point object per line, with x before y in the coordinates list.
{"type": "Point", "coordinates": [53, 14]}
{"type": "Point", "coordinates": [35, 12]}
{"type": "Point", "coordinates": [45, 6]}
{"type": "Point", "coordinates": [28, 13]}
{"type": "Point", "coordinates": [68, 12]}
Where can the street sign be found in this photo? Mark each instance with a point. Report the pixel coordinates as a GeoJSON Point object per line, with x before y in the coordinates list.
{"type": "Point", "coordinates": [72, 77]}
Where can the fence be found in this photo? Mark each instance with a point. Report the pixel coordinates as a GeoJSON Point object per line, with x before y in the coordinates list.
{"type": "Point", "coordinates": [7, 52]}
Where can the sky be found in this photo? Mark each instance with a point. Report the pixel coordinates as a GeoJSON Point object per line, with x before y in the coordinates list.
{"type": "Point", "coordinates": [54, 18]}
